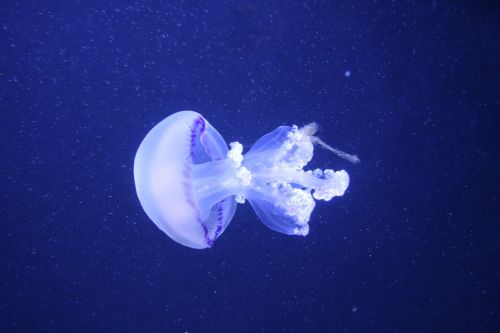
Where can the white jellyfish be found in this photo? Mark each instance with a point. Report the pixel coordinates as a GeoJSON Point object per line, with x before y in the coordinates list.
{"type": "Point", "coordinates": [189, 182]}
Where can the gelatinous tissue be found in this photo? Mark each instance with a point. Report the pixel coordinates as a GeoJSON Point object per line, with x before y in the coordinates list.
{"type": "Point", "coordinates": [189, 181]}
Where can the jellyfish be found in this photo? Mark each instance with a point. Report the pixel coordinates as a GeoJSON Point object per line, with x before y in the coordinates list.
{"type": "Point", "coordinates": [189, 181]}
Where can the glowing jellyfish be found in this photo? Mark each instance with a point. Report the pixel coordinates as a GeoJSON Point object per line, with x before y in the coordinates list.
{"type": "Point", "coordinates": [189, 183]}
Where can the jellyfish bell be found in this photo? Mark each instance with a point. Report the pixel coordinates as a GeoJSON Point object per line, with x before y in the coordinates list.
{"type": "Point", "coordinates": [189, 182]}
{"type": "Point", "coordinates": [165, 180]}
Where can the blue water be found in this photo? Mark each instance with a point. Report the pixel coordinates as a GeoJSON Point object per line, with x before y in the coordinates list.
{"type": "Point", "coordinates": [411, 87]}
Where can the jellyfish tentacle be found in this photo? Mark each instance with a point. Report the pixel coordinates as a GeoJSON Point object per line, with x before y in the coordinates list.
{"type": "Point", "coordinates": [283, 194]}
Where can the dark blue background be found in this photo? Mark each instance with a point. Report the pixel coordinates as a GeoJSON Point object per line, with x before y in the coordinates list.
{"type": "Point", "coordinates": [413, 246]}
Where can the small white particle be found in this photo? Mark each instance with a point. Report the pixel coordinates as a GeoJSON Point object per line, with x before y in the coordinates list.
{"type": "Point", "coordinates": [347, 73]}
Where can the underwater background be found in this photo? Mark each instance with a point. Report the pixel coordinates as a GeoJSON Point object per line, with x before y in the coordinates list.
{"type": "Point", "coordinates": [411, 87]}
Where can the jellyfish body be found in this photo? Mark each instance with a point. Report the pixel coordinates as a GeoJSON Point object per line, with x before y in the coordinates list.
{"type": "Point", "coordinates": [189, 182]}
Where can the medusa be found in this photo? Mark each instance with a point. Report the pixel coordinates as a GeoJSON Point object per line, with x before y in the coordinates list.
{"type": "Point", "coordinates": [189, 182]}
